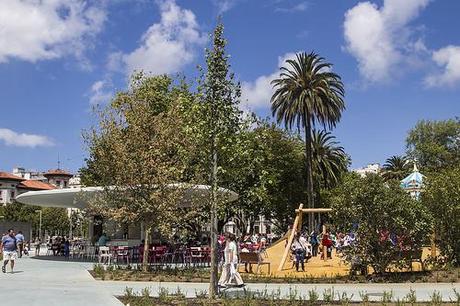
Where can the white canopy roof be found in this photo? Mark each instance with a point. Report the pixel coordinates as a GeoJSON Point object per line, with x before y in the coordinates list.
{"type": "Point", "coordinates": [79, 197]}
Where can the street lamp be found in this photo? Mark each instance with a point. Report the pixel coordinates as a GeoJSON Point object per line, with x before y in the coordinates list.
{"type": "Point", "coordinates": [40, 225]}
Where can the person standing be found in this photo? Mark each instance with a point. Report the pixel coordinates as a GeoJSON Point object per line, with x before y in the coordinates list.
{"type": "Point", "coordinates": [314, 243]}
{"type": "Point", "coordinates": [299, 252]}
{"type": "Point", "coordinates": [229, 269]}
{"type": "Point", "coordinates": [20, 243]}
{"type": "Point", "coordinates": [9, 248]}
{"type": "Point", "coordinates": [38, 243]}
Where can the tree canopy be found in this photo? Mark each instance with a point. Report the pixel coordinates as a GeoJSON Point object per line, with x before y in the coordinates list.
{"type": "Point", "coordinates": [384, 219]}
{"type": "Point", "coordinates": [306, 93]}
{"type": "Point", "coordinates": [442, 197]}
{"type": "Point", "coordinates": [435, 144]}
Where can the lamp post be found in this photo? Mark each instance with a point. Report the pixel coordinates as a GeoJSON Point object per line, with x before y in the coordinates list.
{"type": "Point", "coordinates": [40, 224]}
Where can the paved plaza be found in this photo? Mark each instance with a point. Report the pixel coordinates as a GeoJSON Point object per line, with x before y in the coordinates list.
{"type": "Point", "coordinates": [43, 281]}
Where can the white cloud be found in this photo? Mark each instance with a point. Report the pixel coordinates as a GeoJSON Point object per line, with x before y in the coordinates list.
{"type": "Point", "coordinates": [257, 94]}
{"type": "Point", "coordinates": [12, 138]}
{"type": "Point", "coordinates": [32, 30]}
{"type": "Point", "coordinates": [299, 7]}
{"type": "Point", "coordinates": [101, 92]}
{"type": "Point", "coordinates": [449, 59]}
{"type": "Point", "coordinates": [167, 46]}
{"type": "Point", "coordinates": [379, 38]}
{"type": "Point", "coordinates": [224, 5]}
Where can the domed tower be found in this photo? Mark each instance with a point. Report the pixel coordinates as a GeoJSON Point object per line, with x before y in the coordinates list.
{"type": "Point", "coordinates": [58, 178]}
{"type": "Point", "coordinates": [413, 183]}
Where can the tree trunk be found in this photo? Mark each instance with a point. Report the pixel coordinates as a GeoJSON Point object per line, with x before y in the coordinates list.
{"type": "Point", "coordinates": [145, 259]}
{"type": "Point", "coordinates": [213, 278]}
{"type": "Point", "coordinates": [309, 159]}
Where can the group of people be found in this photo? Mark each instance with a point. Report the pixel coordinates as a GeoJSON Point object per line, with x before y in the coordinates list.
{"type": "Point", "coordinates": [12, 246]}
{"type": "Point", "coordinates": [60, 246]}
{"type": "Point", "coordinates": [305, 246]}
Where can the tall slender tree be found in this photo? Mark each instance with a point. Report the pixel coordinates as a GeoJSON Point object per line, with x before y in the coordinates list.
{"type": "Point", "coordinates": [306, 93]}
{"type": "Point", "coordinates": [220, 95]}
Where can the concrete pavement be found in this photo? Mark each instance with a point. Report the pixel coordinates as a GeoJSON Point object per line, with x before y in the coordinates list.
{"type": "Point", "coordinates": [40, 281]}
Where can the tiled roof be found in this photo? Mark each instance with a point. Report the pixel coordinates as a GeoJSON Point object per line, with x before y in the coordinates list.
{"type": "Point", "coordinates": [57, 172]}
{"type": "Point", "coordinates": [9, 176]}
{"type": "Point", "coordinates": [35, 185]}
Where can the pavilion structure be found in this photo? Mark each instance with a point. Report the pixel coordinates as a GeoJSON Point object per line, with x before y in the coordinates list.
{"type": "Point", "coordinates": [413, 183]}
{"type": "Point", "coordinates": [81, 197]}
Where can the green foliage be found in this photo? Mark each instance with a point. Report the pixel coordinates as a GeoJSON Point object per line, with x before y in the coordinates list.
{"type": "Point", "coordinates": [266, 169]}
{"type": "Point", "coordinates": [385, 219]}
{"type": "Point", "coordinates": [54, 220]}
{"type": "Point", "coordinates": [396, 168]}
{"type": "Point", "coordinates": [306, 93]}
{"type": "Point", "coordinates": [436, 298]}
{"type": "Point", "coordinates": [220, 95]}
{"type": "Point", "coordinates": [330, 161]}
{"type": "Point", "coordinates": [138, 147]}
{"type": "Point", "coordinates": [442, 197]}
{"type": "Point", "coordinates": [435, 144]}
{"type": "Point", "coordinates": [411, 297]}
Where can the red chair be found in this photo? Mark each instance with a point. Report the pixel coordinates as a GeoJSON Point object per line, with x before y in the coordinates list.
{"type": "Point", "coordinates": [160, 252]}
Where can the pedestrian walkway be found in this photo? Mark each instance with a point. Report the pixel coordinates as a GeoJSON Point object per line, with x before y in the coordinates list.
{"type": "Point", "coordinates": [40, 281]}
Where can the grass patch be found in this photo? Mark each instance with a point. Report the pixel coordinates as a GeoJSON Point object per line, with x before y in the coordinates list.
{"type": "Point", "coordinates": [199, 275]}
{"type": "Point", "coordinates": [294, 298]}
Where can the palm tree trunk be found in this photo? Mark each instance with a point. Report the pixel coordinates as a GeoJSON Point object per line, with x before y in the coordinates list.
{"type": "Point", "coordinates": [309, 159]}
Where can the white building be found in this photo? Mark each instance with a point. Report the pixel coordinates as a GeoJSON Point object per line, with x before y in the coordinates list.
{"type": "Point", "coordinates": [12, 185]}
{"type": "Point", "coordinates": [371, 168]}
{"type": "Point", "coordinates": [22, 180]}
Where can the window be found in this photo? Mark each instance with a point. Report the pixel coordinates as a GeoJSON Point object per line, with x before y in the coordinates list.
{"type": "Point", "coordinates": [268, 230]}
{"type": "Point", "coordinates": [256, 229]}
{"type": "Point", "coordinates": [65, 184]}
{"type": "Point", "coordinates": [12, 194]}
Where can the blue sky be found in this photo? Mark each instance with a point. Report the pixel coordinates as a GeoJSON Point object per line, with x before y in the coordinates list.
{"type": "Point", "coordinates": [400, 62]}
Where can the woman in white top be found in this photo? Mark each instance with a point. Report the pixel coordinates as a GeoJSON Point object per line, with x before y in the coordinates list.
{"type": "Point", "coordinates": [230, 267]}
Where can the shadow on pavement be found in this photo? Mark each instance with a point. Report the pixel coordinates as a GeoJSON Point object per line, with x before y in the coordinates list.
{"type": "Point", "coordinates": [62, 258]}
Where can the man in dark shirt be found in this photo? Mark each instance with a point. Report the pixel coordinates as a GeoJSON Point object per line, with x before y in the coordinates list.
{"type": "Point", "coordinates": [9, 248]}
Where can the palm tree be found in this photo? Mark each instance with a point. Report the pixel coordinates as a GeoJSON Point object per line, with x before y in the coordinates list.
{"type": "Point", "coordinates": [396, 167]}
{"type": "Point", "coordinates": [307, 93]}
{"type": "Point", "coordinates": [329, 159]}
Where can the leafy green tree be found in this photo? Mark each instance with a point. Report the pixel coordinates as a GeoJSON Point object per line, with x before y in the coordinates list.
{"type": "Point", "coordinates": [396, 168]}
{"type": "Point", "coordinates": [435, 144]}
{"type": "Point", "coordinates": [267, 170]}
{"type": "Point", "coordinates": [306, 93]}
{"type": "Point", "coordinates": [384, 218]}
{"type": "Point", "coordinates": [442, 197]}
{"type": "Point", "coordinates": [138, 148]}
{"type": "Point", "coordinates": [220, 96]}
{"type": "Point", "coordinates": [55, 220]}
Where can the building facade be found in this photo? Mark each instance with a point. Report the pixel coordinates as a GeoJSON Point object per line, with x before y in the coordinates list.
{"type": "Point", "coordinates": [22, 180]}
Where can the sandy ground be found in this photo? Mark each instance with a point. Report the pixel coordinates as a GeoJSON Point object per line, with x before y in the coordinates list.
{"type": "Point", "coordinates": [315, 267]}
